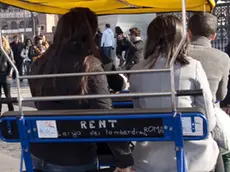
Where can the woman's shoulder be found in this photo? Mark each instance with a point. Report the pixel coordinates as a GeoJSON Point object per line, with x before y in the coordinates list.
{"type": "Point", "coordinates": [193, 63]}
{"type": "Point", "coordinates": [95, 64]}
{"type": "Point", "coordinates": [192, 60]}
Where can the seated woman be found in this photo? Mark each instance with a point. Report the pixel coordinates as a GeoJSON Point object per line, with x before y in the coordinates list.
{"type": "Point", "coordinates": [164, 34]}
{"type": "Point", "coordinates": [73, 50]}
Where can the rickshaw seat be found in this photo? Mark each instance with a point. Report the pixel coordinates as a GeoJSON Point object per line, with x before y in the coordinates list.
{"type": "Point", "coordinates": [160, 120]}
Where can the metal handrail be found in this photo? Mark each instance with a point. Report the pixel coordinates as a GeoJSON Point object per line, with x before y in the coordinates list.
{"type": "Point", "coordinates": [95, 96]}
{"type": "Point", "coordinates": [92, 73]}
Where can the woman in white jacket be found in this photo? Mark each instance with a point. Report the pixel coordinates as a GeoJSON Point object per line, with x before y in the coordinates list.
{"type": "Point", "coordinates": [26, 55]}
{"type": "Point", "coordinates": [164, 34]}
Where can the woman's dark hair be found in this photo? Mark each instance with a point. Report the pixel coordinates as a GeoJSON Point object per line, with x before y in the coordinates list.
{"type": "Point", "coordinates": [163, 37]}
{"type": "Point", "coordinates": [72, 51]}
{"type": "Point", "coordinates": [26, 42]}
{"type": "Point", "coordinates": [118, 30]}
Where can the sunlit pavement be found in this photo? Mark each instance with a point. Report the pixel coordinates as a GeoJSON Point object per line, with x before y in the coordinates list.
{"type": "Point", "coordinates": [10, 152]}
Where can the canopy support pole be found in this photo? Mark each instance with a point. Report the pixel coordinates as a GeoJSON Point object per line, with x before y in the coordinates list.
{"type": "Point", "coordinates": [179, 140]}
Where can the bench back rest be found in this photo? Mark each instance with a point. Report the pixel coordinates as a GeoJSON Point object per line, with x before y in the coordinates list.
{"type": "Point", "coordinates": [104, 125]}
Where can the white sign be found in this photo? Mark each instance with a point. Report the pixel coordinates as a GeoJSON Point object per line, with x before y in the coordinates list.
{"type": "Point", "coordinates": [192, 128]}
{"type": "Point", "coordinates": [47, 129]}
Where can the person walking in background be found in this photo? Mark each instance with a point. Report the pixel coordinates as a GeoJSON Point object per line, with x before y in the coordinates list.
{"type": "Point", "coordinates": [98, 38]}
{"type": "Point", "coordinates": [44, 41]}
{"type": "Point", "coordinates": [6, 71]}
{"type": "Point", "coordinates": [39, 48]}
{"type": "Point", "coordinates": [120, 48]}
{"type": "Point", "coordinates": [107, 41]}
{"type": "Point", "coordinates": [134, 48]}
{"type": "Point", "coordinates": [17, 47]}
{"type": "Point", "coordinates": [26, 54]}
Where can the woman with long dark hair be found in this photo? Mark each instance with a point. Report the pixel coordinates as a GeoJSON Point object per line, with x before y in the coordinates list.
{"type": "Point", "coordinates": [73, 51]}
{"type": "Point", "coordinates": [164, 35]}
{"type": "Point", "coordinates": [27, 54]}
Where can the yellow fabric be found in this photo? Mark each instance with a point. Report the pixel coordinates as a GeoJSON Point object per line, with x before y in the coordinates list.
{"type": "Point", "coordinates": [103, 7]}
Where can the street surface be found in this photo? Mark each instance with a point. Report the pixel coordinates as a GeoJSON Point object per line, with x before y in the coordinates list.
{"type": "Point", "coordinates": [10, 152]}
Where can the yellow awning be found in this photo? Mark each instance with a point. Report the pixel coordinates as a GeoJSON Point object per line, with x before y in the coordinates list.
{"type": "Point", "coordinates": [111, 6]}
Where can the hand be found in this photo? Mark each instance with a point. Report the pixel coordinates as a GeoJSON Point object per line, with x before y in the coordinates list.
{"type": "Point", "coordinates": [120, 37]}
{"type": "Point", "coordinates": [128, 169]}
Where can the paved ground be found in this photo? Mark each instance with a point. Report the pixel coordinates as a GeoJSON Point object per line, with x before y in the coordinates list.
{"type": "Point", "coordinates": [10, 152]}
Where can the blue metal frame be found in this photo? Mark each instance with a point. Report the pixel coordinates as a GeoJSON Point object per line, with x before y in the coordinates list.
{"type": "Point", "coordinates": [172, 123]}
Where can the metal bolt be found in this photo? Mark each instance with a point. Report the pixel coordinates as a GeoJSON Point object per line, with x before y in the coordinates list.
{"type": "Point", "coordinates": [34, 129]}
{"type": "Point", "coordinates": [165, 127]}
{"type": "Point", "coordinates": [26, 150]}
{"type": "Point", "coordinates": [177, 149]}
{"type": "Point", "coordinates": [28, 131]}
{"type": "Point", "coordinates": [170, 128]}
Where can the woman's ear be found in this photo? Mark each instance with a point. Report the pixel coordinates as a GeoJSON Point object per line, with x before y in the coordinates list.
{"type": "Point", "coordinates": [213, 37]}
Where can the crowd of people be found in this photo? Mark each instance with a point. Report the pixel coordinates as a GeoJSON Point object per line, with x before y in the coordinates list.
{"type": "Point", "coordinates": [23, 54]}
{"type": "Point", "coordinates": [79, 46]}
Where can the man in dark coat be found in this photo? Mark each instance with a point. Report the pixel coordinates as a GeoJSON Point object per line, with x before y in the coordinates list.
{"type": "Point", "coordinates": [17, 47]}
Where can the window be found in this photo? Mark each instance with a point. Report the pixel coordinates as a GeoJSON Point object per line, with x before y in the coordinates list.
{"type": "Point", "coordinates": [30, 24]}
{"type": "Point", "coordinates": [4, 25]}
{"type": "Point", "coordinates": [14, 25]}
{"type": "Point", "coordinates": [22, 24]}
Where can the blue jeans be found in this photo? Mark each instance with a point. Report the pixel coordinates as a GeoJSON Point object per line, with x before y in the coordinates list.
{"type": "Point", "coordinates": [39, 164]}
{"type": "Point", "coordinates": [108, 51]}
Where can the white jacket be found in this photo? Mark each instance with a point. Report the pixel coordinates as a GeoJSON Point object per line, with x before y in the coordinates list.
{"type": "Point", "coordinates": [201, 156]}
{"type": "Point", "coordinates": [107, 39]}
{"type": "Point", "coordinates": [25, 53]}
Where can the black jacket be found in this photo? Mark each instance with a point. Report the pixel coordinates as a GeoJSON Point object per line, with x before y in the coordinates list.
{"type": "Point", "coordinates": [78, 153]}
{"type": "Point", "coordinates": [121, 47]}
{"type": "Point", "coordinates": [115, 81]}
{"type": "Point", "coordinates": [5, 67]}
{"type": "Point", "coordinates": [17, 49]}
{"type": "Point", "coordinates": [134, 53]}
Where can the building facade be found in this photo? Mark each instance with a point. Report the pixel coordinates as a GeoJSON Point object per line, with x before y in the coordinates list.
{"type": "Point", "coordinates": [15, 21]}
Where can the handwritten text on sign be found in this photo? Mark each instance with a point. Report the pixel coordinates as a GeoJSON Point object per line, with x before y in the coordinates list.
{"type": "Point", "coordinates": [120, 128]}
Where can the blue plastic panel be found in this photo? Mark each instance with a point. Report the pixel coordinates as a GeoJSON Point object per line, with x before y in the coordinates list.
{"type": "Point", "coordinates": [136, 127]}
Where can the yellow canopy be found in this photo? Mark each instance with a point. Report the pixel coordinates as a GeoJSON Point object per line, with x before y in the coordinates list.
{"type": "Point", "coordinates": [103, 7]}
